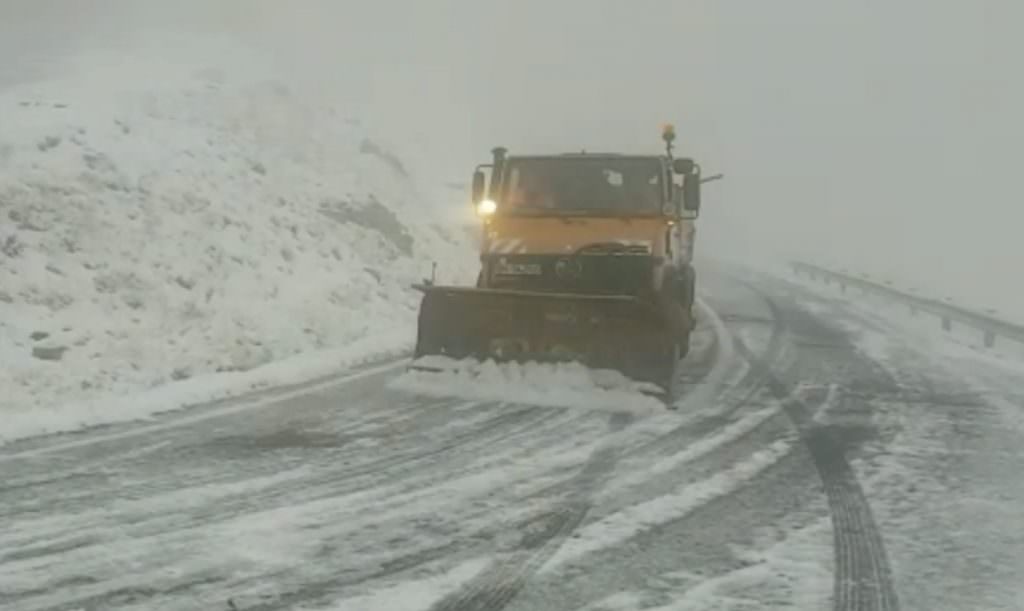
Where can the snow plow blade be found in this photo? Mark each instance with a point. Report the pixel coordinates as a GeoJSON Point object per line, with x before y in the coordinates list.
{"type": "Point", "coordinates": [616, 332]}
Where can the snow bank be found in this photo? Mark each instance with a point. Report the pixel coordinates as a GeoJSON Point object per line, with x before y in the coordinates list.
{"type": "Point", "coordinates": [300, 369]}
{"type": "Point", "coordinates": [161, 223]}
{"type": "Point", "coordinates": [546, 384]}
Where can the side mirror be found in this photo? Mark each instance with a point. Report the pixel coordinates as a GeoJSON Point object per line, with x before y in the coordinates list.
{"type": "Point", "coordinates": [691, 192]}
{"type": "Point", "coordinates": [683, 166]}
{"type": "Point", "coordinates": [479, 183]}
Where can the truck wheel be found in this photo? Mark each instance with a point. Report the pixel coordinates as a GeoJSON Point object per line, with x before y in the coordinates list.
{"type": "Point", "coordinates": [684, 345]}
{"type": "Point", "coordinates": [670, 372]}
{"type": "Point", "coordinates": [692, 292]}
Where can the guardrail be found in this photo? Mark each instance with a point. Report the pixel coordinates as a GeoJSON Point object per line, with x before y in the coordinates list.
{"type": "Point", "coordinates": [989, 326]}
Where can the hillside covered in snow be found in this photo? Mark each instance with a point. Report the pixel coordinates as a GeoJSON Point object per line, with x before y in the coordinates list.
{"type": "Point", "coordinates": [158, 232]}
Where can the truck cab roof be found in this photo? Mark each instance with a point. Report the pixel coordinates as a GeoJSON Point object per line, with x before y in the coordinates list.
{"type": "Point", "coordinates": [588, 155]}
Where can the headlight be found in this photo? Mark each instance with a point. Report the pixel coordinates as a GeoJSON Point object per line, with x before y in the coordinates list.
{"type": "Point", "coordinates": [486, 207]}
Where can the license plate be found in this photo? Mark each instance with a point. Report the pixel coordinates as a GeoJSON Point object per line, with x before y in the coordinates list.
{"type": "Point", "coordinates": [562, 318]}
{"type": "Point", "coordinates": [520, 269]}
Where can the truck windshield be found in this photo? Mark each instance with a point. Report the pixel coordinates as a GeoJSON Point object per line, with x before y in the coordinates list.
{"type": "Point", "coordinates": [598, 184]}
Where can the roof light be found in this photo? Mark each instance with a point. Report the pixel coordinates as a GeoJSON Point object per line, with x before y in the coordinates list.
{"type": "Point", "coordinates": [668, 132]}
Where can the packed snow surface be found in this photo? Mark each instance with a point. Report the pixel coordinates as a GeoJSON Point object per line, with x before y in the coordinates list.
{"type": "Point", "coordinates": [417, 595]}
{"type": "Point", "coordinates": [158, 226]}
{"type": "Point", "coordinates": [620, 527]}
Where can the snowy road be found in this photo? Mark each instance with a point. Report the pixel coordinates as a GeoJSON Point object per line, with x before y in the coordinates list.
{"type": "Point", "coordinates": [817, 459]}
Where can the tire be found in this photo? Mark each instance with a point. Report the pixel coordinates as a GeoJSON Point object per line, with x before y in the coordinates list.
{"type": "Point", "coordinates": [684, 345]}
{"type": "Point", "coordinates": [670, 373]}
{"type": "Point", "coordinates": [692, 291]}
{"type": "Point", "coordinates": [688, 290]}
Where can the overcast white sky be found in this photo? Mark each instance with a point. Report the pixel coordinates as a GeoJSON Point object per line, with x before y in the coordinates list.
{"type": "Point", "coordinates": [879, 135]}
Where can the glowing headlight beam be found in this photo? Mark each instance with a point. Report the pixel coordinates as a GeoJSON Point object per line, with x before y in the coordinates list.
{"type": "Point", "coordinates": [486, 207]}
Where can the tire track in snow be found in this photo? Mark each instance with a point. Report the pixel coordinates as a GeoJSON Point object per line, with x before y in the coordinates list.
{"type": "Point", "coordinates": [863, 577]}
{"type": "Point", "coordinates": [494, 432]}
{"type": "Point", "coordinates": [221, 408]}
{"type": "Point", "coordinates": [497, 587]}
{"type": "Point", "coordinates": [85, 479]}
{"type": "Point", "coordinates": [724, 385]}
{"type": "Point", "coordinates": [99, 593]}
{"type": "Point", "coordinates": [744, 391]}
{"type": "Point", "coordinates": [502, 584]}
{"type": "Point", "coordinates": [304, 488]}
{"type": "Point", "coordinates": [549, 528]}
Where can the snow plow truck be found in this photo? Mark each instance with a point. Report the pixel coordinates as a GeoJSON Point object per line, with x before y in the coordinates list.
{"type": "Point", "coordinates": [584, 257]}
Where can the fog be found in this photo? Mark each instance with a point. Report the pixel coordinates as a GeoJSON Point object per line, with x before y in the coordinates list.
{"type": "Point", "coordinates": [881, 137]}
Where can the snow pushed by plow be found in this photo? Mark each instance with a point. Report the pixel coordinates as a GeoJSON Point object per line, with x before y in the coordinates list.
{"type": "Point", "coordinates": [169, 223]}
{"type": "Point", "coordinates": [541, 384]}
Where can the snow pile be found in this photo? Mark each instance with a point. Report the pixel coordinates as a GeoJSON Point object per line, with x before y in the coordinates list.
{"type": "Point", "coordinates": [545, 384]}
{"type": "Point", "coordinates": [164, 223]}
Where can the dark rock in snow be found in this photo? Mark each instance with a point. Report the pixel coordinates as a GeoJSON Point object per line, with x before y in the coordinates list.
{"type": "Point", "coordinates": [11, 246]}
{"type": "Point", "coordinates": [49, 353]}
{"type": "Point", "coordinates": [50, 142]}
{"type": "Point", "coordinates": [372, 215]}
{"type": "Point", "coordinates": [39, 335]}
{"type": "Point", "coordinates": [98, 162]}
{"type": "Point", "coordinates": [369, 147]}
{"type": "Point", "coordinates": [133, 301]}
